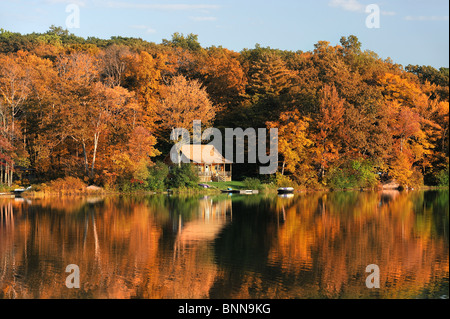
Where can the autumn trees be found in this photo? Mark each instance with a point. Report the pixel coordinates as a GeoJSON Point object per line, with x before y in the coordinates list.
{"type": "Point", "coordinates": [103, 117]}
{"type": "Point", "coordinates": [366, 117]}
{"type": "Point", "coordinates": [103, 109]}
{"type": "Point", "coordinates": [294, 145]}
{"type": "Point", "coordinates": [18, 85]}
{"type": "Point", "coordinates": [91, 112]}
{"type": "Point", "coordinates": [182, 103]}
{"type": "Point", "coordinates": [70, 116]}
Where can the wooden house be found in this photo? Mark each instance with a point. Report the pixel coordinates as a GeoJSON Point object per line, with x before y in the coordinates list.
{"type": "Point", "coordinates": [210, 165]}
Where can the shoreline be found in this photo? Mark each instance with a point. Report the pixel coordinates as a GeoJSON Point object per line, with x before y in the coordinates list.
{"type": "Point", "coordinates": [194, 191]}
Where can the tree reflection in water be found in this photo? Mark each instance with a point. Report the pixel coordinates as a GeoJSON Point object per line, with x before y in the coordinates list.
{"type": "Point", "coordinates": [314, 245]}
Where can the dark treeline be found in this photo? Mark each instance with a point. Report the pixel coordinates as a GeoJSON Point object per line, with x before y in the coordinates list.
{"type": "Point", "coordinates": [102, 110]}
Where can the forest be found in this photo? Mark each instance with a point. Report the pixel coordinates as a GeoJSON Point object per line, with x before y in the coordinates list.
{"type": "Point", "coordinates": [102, 110]}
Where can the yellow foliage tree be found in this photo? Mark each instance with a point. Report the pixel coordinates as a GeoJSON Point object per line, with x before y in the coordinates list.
{"type": "Point", "coordinates": [294, 144]}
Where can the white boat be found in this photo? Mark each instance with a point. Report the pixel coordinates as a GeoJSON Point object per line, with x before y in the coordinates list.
{"type": "Point", "coordinates": [21, 190]}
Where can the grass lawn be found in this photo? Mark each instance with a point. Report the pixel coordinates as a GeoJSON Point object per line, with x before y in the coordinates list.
{"type": "Point", "coordinates": [225, 185]}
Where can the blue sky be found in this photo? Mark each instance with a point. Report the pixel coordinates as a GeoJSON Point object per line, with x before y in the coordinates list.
{"type": "Point", "coordinates": [411, 31]}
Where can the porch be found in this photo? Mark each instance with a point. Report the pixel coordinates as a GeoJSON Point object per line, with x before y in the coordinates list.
{"type": "Point", "coordinates": [214, 173]}
{"type": "Point", "coordinates": [210, 177]}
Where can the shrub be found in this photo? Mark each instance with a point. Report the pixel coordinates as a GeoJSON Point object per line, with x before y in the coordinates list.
{"type": "Point", "coordinates": [252, 183]}
{"type": "Point", "coordinates": [352, 174]}
{"type": "Point", "coordinates": [443, 177]}
{"type": "Point", "coordinates": [108, 180]}
{"type": "Point", "coordinates": [5, 188]}
{"type": "Point", "coordinates": [67, 185]}
{"type": "Point", "coordinates": [140, 171]}
{"type": "Point", "coordinates": [416, 179]}
{"type": "Point", "coordinates": [283, 181]}
{"type": "Point", "coordinates": [133, 184]}
{"type": "Point", "coordinates": [183, 176]}
{"type": "Point", "coordinates": [157, 176]}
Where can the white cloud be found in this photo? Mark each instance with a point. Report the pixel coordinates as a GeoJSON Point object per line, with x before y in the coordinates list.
{"type": "Point", "coordinates": [426, 18]}
{"type": "Point", "coordinates": [80, 3]}
{"type": "Point", "coordinates": [355, 6]}
{"type": "Point", "coordinates": [143, 27]}
{"type": "Point", "coordinates": [348, 5]}
{"type": "Point", "coordinates": [200, 19]}
{"type": "Point", "coordinates": [170, 7]}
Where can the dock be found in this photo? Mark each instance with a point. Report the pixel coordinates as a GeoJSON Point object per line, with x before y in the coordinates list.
{"type": "Point", "coordinates": [7, 195]}
{"type": "Point", "coordinates": [241, 192]}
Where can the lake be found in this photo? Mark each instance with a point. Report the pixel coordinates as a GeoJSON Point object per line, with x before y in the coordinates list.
{"type": "Point", "coordinates": [311, 245]}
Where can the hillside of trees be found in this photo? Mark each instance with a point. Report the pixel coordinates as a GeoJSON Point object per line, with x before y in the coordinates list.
{"type": "Point", "coordinates": [102, 110]}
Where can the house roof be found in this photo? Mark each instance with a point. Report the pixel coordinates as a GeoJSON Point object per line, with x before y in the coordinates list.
{"type": "Point", "coordinates": [203, 154]}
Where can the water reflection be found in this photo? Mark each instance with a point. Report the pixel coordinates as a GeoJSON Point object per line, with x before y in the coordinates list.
{"type": "Point", "coordinates": [304, 246]}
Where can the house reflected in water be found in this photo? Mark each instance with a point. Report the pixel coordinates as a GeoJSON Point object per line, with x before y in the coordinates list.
{"type": "Point", "coordinates": [212, 216]}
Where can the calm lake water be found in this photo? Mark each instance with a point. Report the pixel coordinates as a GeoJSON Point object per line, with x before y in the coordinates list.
{"type": "Point", "coordinates": [313, 245]}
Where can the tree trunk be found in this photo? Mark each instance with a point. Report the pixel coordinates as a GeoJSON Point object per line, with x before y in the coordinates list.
{"type": "Point", "coordinates": [322, 172]}
{"type": "Point", "coordinates": [8, 175]}
{"type": "Point", "coordinates": [96, 137]}
{"type": "Point", "coordinates": [12, 127]}
{"type": "Point", "coordinates": [86, 166]}
{"type": "Point", "coordinates": [11, 172]}
{"type": "Point", "coordinates": [25, 135]}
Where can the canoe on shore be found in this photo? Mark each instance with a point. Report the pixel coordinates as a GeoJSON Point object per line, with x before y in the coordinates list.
{"type": "Point", "coordinates": [18, 191]}
{"type": "Point", "coordinates": [230, 191]}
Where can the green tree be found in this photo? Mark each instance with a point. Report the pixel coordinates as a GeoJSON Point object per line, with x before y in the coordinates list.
{"type": "Point", "coordinates": [157, 179]}
{"type": "Point", "coordinates": [188, 42]}
{"type": "Point", "coordinates": [268, 76]}
{"type": "Point", "coordinates": [183, 176]}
